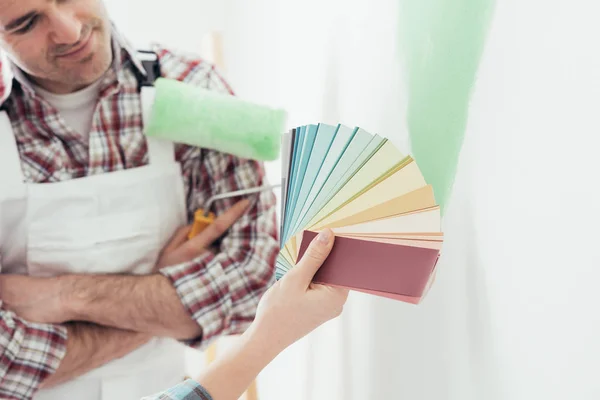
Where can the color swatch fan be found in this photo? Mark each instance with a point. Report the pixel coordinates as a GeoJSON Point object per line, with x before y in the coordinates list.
{"type": "Point", "coordinates": [374, 198]}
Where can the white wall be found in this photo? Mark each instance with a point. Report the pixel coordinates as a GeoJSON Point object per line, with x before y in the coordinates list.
{"type": "Point", "coordinates": [513, 313]}
{"type": "Point", "coordinates": [180, 24]}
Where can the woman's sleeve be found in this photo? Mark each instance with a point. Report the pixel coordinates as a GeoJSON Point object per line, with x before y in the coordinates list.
{"type": "Point", "coordinates": [186, 390]}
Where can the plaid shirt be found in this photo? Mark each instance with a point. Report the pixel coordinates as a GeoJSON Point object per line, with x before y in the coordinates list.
{"type": "Point", "coordinates": [220, 291]}
{"type": "Point", "coordinates": [186, 390]}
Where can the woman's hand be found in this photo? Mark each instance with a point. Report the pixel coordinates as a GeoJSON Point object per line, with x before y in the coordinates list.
{"type": "Point", "coordinates": [294, 306]}
{"type": "Point", "coordinates": [289, 310]}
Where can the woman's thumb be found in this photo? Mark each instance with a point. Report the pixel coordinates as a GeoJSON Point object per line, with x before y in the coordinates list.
{"type": "Point", "coordinates": [315, 255]}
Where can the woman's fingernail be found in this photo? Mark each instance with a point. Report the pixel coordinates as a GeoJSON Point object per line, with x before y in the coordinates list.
{"type": "Point", "coordinates": [324, 236]}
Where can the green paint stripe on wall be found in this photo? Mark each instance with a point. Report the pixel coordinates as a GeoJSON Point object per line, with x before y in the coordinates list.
{"type": "Point", "coordinates": [442, 42]}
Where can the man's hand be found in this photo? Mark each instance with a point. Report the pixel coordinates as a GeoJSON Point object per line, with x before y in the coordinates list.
{"type": "Point", "coordinates": [180, 249]}
{"type": "Point", "coordinates": [35, 299]}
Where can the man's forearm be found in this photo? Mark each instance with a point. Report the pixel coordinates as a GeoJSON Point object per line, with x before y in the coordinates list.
{"type": "Point", "coordinates": [147, 304]}
{"type": "Point", "coordinates": [90, 346]}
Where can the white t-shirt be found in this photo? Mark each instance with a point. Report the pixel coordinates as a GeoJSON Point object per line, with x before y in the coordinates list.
{"type": "Point", "coordinates": [77, 108]}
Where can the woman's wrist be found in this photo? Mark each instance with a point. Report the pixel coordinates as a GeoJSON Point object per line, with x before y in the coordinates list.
{"type": "Point", "coordinates": [228, 376]}
{"type": "Point", "coordinates": [260, 342]}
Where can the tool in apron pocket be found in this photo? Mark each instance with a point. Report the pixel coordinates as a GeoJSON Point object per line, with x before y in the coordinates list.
{"type": "Point", "coordinates": [203, 217]}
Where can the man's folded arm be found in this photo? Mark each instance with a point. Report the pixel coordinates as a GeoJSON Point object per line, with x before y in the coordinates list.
{"type": "Point", "coordinates": [212, 294]}
{"type": "Point", "coordinates": [34, 356]}
{"type": "Point", "coordinates": [221, 291]}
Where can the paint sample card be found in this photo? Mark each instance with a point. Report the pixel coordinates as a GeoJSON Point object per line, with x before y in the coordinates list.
{"type": "Point", "coordinates": [373, 197]}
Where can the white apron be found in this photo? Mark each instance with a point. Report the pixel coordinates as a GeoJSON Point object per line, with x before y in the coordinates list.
{"type": "Point", "coordinates": [111, 223]}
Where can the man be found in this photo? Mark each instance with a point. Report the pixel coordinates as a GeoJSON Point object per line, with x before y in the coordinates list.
{"type": "Point", "coordinates": [99, 286]}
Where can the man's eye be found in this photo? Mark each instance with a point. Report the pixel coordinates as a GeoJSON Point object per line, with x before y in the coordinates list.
{"type": "Point", "coordinates": [29, 26]}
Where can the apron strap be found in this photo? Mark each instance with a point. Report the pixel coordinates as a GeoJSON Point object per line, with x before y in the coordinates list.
{"type": "Point", "coordinates": [160, 151]}
{"type": "Point", "coordinates": [10, 161]}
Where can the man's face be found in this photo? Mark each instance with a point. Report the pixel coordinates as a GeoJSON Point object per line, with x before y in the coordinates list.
{"type": "Point", "coordinates": [63, 45]}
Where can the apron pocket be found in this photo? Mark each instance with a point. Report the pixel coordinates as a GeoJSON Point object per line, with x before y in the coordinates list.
{"type": "Point", "coordinates": [108, 244]}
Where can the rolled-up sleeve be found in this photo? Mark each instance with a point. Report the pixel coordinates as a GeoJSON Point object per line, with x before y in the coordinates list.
{"type": "Point", "coordinates": [186, 390]}
{"type": "Point", "coordinates": [29, 353]}
{"type": "Point", "coordinates": [221, 290]}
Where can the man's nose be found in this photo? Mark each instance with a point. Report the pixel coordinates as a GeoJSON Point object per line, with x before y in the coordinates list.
{"type": "Point", "coordinates": [66, 27]}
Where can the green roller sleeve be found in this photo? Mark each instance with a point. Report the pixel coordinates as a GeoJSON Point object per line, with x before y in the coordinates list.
{"type": "Point", "coordinates": [187, 114]}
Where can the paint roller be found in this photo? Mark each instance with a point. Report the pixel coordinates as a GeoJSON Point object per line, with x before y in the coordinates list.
{"type": "Point", "coordinates": [187, 114]}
